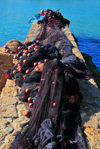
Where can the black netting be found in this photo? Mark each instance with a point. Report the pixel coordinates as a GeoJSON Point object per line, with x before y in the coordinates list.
{"type": "Point", "coordinates": [48, 86]}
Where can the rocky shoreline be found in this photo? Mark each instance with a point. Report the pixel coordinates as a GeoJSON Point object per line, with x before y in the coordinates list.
{"type": "Point", "coordinates": [12, 120]}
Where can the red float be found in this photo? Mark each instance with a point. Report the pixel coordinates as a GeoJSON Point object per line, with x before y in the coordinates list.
{"type": "Point", "coordinates": [54, 104]}
{"type": "Point", "coordinates": [30, 105]}
{"type": "Point", "coordinates": [27, 71]}
{"type": "Point", "coordinates": [27, 90]}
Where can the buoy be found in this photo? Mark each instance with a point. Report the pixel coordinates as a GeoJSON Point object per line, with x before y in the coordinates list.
{"type": "Point", "coordinates": [24, 61]}
{"type": "Point", "coordinates": [27, 71]}
{"type": "Point", "coordinates": [30, 99]}
{"type": "Point", "coordinates": [15, 57]}
{"type": "Point", "coordinates": [37, 41]}
{"type": "Point", "coordinates": [7, 50]}
{"type": "Point", "coordinates": [27, 90]}
{"type": "Point", "coordinates": [24, 54]}
{"type": "Point", "coordinates": [17, 62]}
{"type": "Point", "coordinates": [11, 52]}
{"type": "Point", "coordinates": [29, 48]}
{"type": "Point", "coordinates": [20, 69]}
{"type": "Point", "coordinates": [34, 100]}
{"type": "Point", "coordinates": [72, 99]}
{"type": "Point", "coordinates": [24, 77]}
{"type": "Point", "coordinates": [14, 72]}
{"type": "Point", "coordinates": [40, 63]}
{"type": "Point", "coordinates": [16, 51]}
{"type": "Point", "coordinates": [19, 48]}
{"type": "Point", "coordinates": [54, 104]}
{"type": "Point", "coordinates": [35, 64]}
{"type": "Point", "coordinates": [45, 60]}
{"type": "Point", "coordinates": [30, 105]}
{"type": "Point", "coordinates": [21, 57]}
{"type": "Point", "coordinates": [25, 51]}
{"type": "Point", "coordinates": [28, 54]}
{"type": "Point", "coordinates": [32, 45]}
{"type": "Point", "coordinates": [35, 48]}
{"type": "Point", "coordinates": [53, 82]}
{"type": "Point", "coordinates": [27, 114]}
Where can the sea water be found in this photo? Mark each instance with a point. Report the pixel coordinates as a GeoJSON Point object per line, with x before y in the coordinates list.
{"type": "Point", "coordinates": [83, 14]}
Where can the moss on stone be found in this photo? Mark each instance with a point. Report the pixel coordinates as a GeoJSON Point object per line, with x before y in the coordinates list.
{"type": "Point", "coordinates": [93, 68]}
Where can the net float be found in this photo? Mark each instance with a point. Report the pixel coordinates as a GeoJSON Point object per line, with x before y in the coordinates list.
{"type": "Point", "coordinates": [27, 90]}
{"type": "Point", "coordinates": [45, 60]}
{"type": "Point", "coordinates": [28, 54]}
{"type": "Point", "coordinates": [15, 57]}
{"type": "Point", "coordinates": [24, 61]}
{"type": "Point", "coordinates": [7, 50]}
{"type": "Point", "coordinates": [35, 49]}
{"type": "Point", "coordinates": [35, 64]}
{"type": "Point", "coordinates": [30, 99]}
{"type": "Point", "coordinates": [54, 104]}
{"type": "Point", "coordinates": [14, 72]}
{"type": "Point", "coordinates": [27, 71]}
{"type": "Point", "coordinates": [20, 57]}
{"type": "Point", "coordinates": [26, 51]}
{"type": "Point", "coordinates": [34, 100]}
{"type": "Point", "coordinates": [11, 52]}
{"type": "Point", "coordinates": [40, 63]}
{"type": "Point", "coordinates": [27, 114]}
{"type": "Point", "coordinates": [30, 105]}
{"type": "Point", "coordinates": [20, 69]}
{"type": "Point", "coordinates": [37, 41]}
{"type": "Point", "coordinates": [19, 48]}
{"type": "Point", "coordinates": [29, 48]}
{"type": "Point", "coordinates": [24, 54]}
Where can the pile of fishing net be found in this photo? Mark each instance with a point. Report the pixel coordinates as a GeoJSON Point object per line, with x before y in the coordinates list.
{"type": "Point", "coordinates": [49, 87]}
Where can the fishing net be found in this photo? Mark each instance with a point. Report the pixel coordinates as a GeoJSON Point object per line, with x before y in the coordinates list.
{"type": "Point", "coordinates": [52, 96]}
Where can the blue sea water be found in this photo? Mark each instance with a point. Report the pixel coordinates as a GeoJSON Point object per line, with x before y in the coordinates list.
{"type": "Point", "coordinates": [83, 14]}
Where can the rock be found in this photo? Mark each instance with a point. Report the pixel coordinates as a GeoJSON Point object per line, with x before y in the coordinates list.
{"type": "Point", "coordinates": [93, 137]}
{"type": "Point", "coordinates": [6, 146]}
{"type": "Point", "coordinates": [9, 91]}
{"type": "Point", "coordinates": [12, 45]}
{"type": "Point", "coordinates": [5, 64]}
{"type": "Point", "coordinates": [8, 100]}
{"type": "Point", "coordinates": [92, 67]}
{"type": "Point", "coordinates": [8, 111]}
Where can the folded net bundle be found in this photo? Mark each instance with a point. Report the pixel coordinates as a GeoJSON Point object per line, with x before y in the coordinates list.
{"type": "Point", "coordinates": [52, 95]}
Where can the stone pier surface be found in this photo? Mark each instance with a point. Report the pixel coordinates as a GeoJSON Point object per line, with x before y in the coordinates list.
{"type": "Point", "coordinates": [12, 110]}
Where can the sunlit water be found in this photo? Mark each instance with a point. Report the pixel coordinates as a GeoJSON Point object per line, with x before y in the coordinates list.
{"type": "Point", "coordinates": [83, 14]}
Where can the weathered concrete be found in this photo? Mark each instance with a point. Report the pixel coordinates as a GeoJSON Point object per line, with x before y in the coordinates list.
{"type": "Point", "coordinates": [11, 114]}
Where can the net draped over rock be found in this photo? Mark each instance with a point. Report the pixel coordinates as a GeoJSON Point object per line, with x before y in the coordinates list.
{"type": "Point", "coordinates": [53, 94]}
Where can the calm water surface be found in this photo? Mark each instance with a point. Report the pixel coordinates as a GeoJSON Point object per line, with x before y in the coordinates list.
{"type": "Point", "coordinates": [84, 16]}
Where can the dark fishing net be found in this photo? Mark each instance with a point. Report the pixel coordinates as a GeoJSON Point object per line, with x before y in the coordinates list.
{"type": "Point", "coordinates": [52, 94]}
{"type": "Point", "coordinates": [50, 101]}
